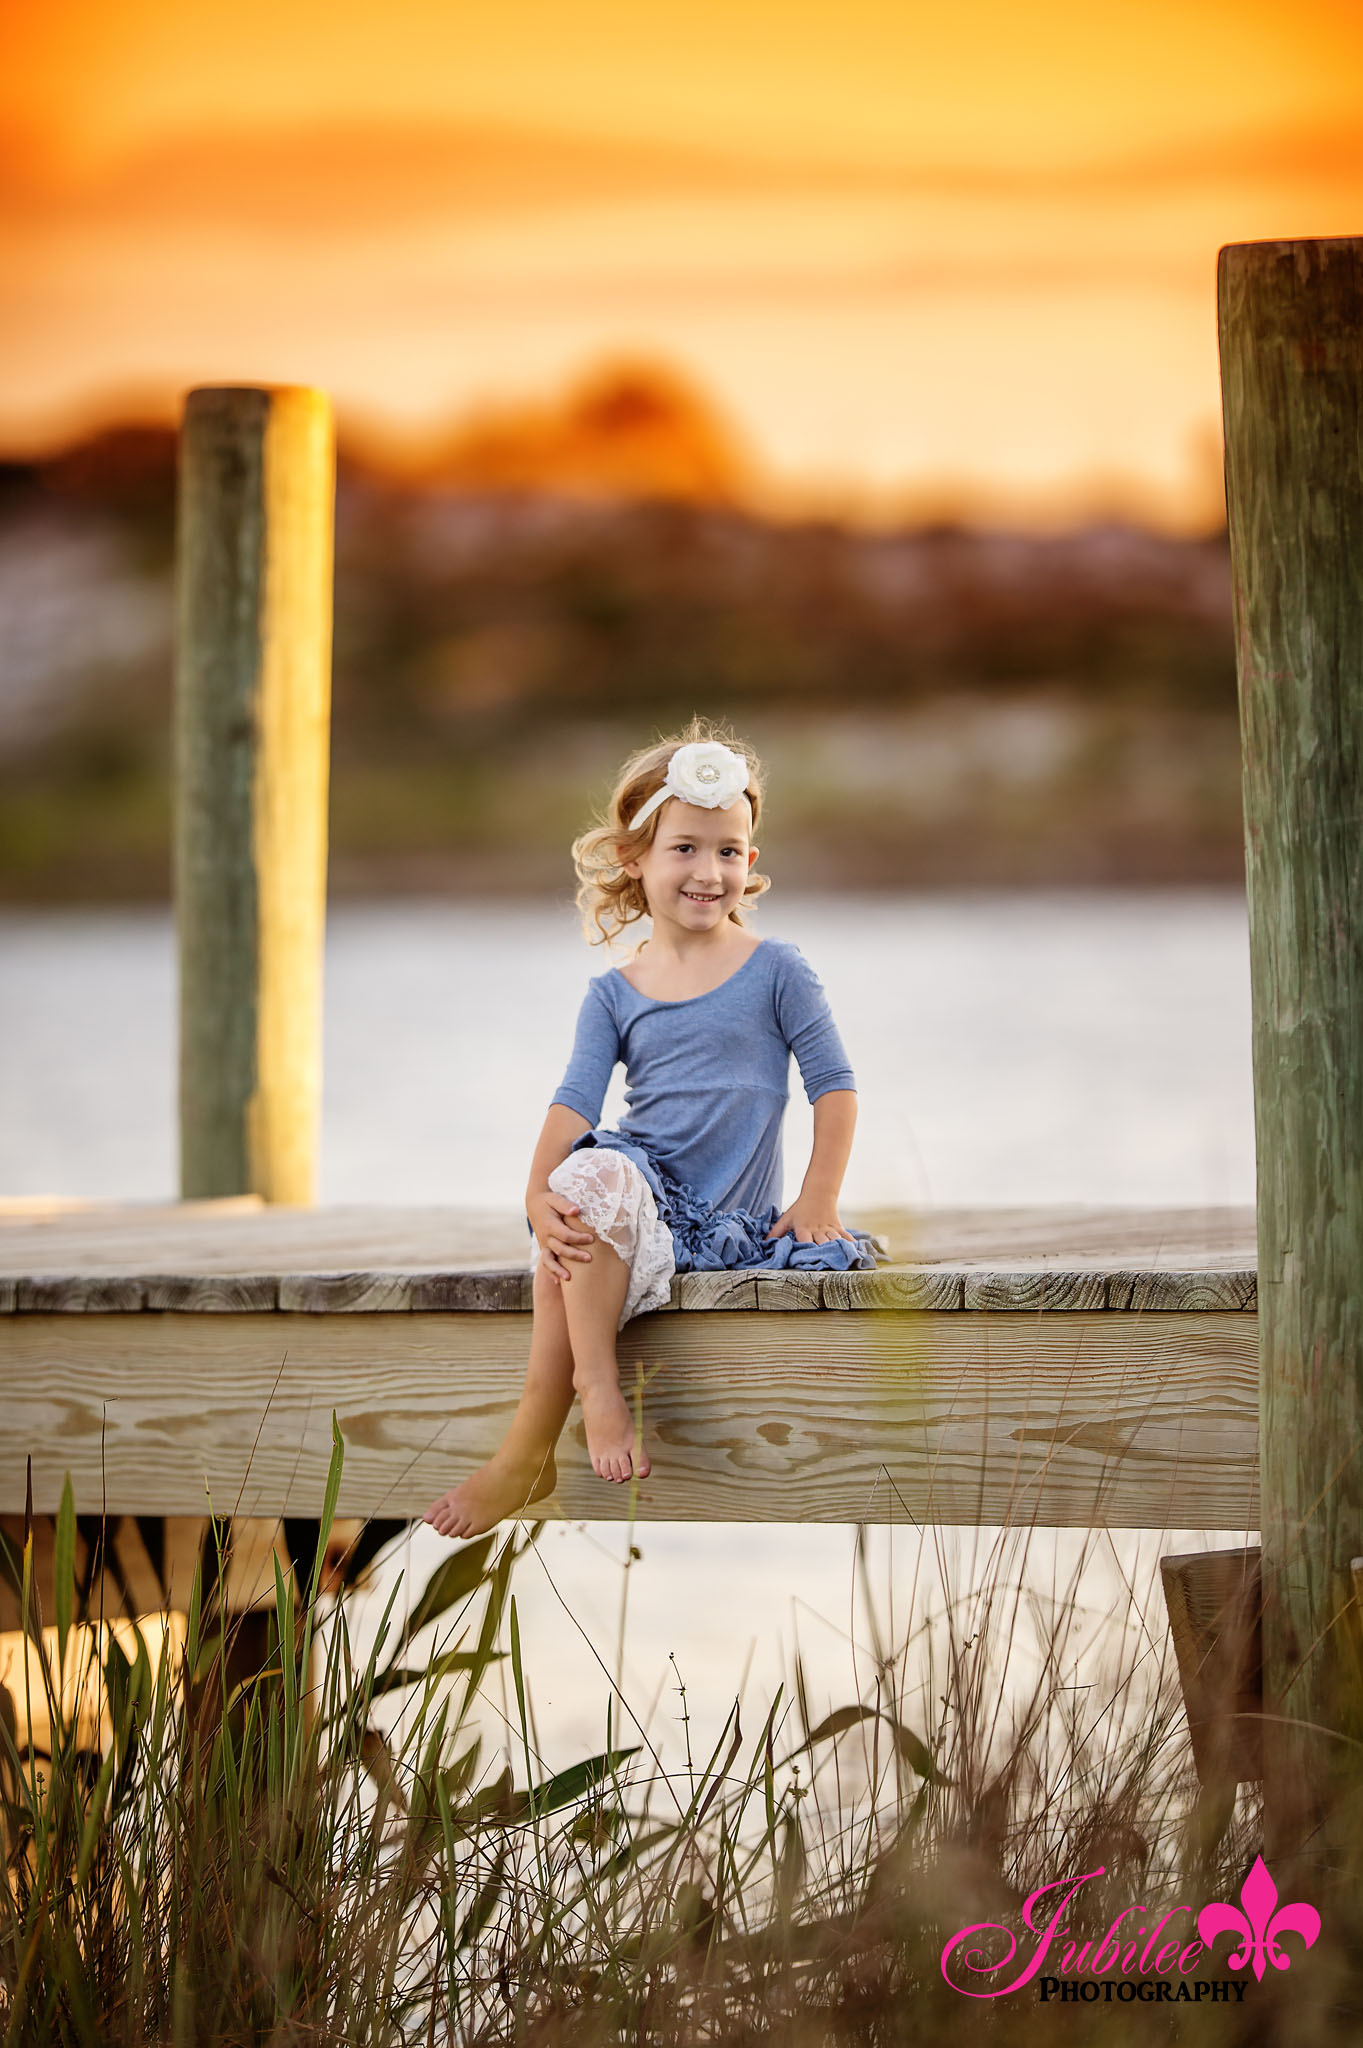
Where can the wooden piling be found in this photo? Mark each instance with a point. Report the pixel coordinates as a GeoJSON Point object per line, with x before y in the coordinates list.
{"type": "Point", "coordinates": [1291, 334]}
{"type": "Point", "coordinates": [1214, 1600]}
{"type": "Point", "coordinates": [253, 690]}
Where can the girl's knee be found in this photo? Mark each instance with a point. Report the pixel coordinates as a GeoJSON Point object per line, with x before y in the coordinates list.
{"type": "Point", "coordinates": [546, 1293]}
{"type": "Point", "coordinates": [616, 1172]}
{"type": "Point", "coordinates": [600, 1169]}
{"type": "Point", "coordinates": [607, 1188]}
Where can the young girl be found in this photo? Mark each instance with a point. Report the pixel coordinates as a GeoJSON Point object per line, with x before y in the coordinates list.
{"type": "Point", "coordinates": [705, 1020]}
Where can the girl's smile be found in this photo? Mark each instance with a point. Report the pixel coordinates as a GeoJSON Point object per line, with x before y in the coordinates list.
{"type": "Point", "coordinates": [696, 869]}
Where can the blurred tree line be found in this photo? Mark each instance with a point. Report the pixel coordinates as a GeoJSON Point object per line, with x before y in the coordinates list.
{"type": "Point", "coordinates": [935, 705]}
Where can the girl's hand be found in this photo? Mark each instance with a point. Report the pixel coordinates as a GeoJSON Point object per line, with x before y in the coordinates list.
{"type": "Point", "coordinates": [814, 1220]}
{"type": "Point", "coordinates": [557, 1239]}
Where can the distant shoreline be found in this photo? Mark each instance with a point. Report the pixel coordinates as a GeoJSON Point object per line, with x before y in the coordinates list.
{"type": "Point", "coordinates": [934, 706]}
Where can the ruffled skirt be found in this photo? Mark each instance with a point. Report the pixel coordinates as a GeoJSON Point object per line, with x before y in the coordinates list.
{"type": "Point", "coordinates": [659, 1227]}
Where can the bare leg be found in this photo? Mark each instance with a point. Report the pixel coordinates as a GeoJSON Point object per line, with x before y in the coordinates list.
{"type": "Point", "coordinates": [522, 1469]}
{"type": "Point", "coordinates": [592, 1301]}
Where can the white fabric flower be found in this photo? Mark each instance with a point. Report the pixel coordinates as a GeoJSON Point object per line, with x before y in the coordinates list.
{"type": "Point", "coordinates": [705, 773]}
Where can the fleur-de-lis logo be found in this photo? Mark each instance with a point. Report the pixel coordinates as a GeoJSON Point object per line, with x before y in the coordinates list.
{"type": "Point", "coordinates": [1260, 1925]}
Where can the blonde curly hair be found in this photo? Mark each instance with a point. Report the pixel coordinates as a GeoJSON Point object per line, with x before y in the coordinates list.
{"type": "Point", "coordinates": [607, 897]}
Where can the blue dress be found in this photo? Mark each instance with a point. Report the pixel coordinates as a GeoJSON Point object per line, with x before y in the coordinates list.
{"type": "Point", "coordinates": [707, 1083]}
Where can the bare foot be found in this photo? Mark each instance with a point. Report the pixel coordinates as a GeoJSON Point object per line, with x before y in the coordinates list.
{"type": "Point", "coordinates": [501, 1487]}
{"type": "Point", "coordinates": [611, 1442]}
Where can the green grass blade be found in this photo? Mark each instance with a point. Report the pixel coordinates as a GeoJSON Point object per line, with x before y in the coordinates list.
{"type": "Point", "coordinates": [64, 1570]}
{"type": "Point", "coordinates": [456, 1579]}
{"type": "Point", "coordinates": [94, 1816]}
{"type": "Point", "coordinates": [329, 1499]}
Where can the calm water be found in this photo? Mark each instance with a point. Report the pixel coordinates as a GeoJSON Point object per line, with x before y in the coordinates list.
{"type": "Point", "coordinates": [1028, 1048]}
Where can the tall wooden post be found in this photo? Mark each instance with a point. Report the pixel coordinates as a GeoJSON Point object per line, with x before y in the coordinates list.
{"type": "Point", "coordinates": [253, 696]}
{"type": "Point", "coordinates": [1291, 328]}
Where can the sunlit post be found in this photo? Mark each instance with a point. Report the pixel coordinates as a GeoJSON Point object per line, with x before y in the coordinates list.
{"type": "Point", "coordinates": [253, 690]}
{"type": "Point", "coordinates": [1291, 326]}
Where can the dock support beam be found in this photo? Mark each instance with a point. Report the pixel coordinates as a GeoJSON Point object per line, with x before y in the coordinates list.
{"type": "Point", "coordinates": [253, 699]}
{"type": "Point", "coordinates": [1291, 333]}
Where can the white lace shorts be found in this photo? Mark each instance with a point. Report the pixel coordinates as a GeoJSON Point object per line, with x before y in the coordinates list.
{"type": "Point", "coordinates": [616, 1202]}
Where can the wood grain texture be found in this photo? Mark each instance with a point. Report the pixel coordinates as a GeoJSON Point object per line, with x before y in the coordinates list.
{"type": "Point", "coordinates": [210, 1293]}
{"type": "Point", "coordinates": [1054, 1291]}
{"type": "Point", "coordinates": [895, 1287]}
{"type": "Point", "coordinates": [470, 1292]}
{"type": "Point", "coordinates": [1182, 1293]}
{"type": "Point", "coordinates": [78, 1294]}
{"type": "Point", "coordinates": [1144, 1422]}
{"type": "Point", "coordinates": [1291, 343]}
{"type": "Point", "coordinates": [716, 1290]}
{"type": "Point", "coordinates": [788, 1292]}
{"type": "Point", "coordinates": [344, 1293]}
{"type": "Point", "coordinates": [416, 1293]}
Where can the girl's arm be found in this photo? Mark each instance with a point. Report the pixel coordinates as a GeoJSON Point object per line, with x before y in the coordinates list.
{"type": "Point", "coordinates": [813, 1215]}
{"type": "Point", "coordinates": [547, 1210]}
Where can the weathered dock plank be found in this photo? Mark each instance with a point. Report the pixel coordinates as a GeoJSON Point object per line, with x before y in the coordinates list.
{"type": "Point", "coordinates": [1044, 1289]}
{"type": "Point", "coordinates": [241, 1234]}
{"type": "Point", "coordinates": [79, 1294]}
{"type": "Point", "coordinates": [365, 1260]}
{"type": "Point", "coordinates": [786, 1292]}
{"type": "Point", "coordinates": [891, 1287]}
{"type": "Point", "coordinates": [1082, 1418]}
{"type": "Point", "coordinates": [211, 1293]}
{"type": "Point", "coordinates": [1185, 1293]}
{"type": "Point", "coordinates": [1061, 1366]}
{"type": "Point", "coordinates": [341, 1293]}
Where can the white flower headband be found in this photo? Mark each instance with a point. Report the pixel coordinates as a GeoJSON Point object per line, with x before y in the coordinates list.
{"type": "Point", "coordinates": [704, 773]}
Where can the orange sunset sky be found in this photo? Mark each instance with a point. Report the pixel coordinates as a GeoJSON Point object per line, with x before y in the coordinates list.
{"type": "Point", "coordinates": [948, 257]}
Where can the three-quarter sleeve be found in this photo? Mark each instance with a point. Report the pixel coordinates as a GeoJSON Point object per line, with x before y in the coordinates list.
{"type": "Point", "coordinates": [596, 1048]}
{"type": "Point", "coordinates": [807, 1025]}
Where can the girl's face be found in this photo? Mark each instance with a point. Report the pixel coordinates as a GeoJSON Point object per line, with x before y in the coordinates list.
{"type": "Point", "coordinates": [695, 871]}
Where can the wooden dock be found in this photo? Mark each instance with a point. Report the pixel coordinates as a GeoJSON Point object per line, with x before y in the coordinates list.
{"type": "Point", "coordinates": [1067, 1367]}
